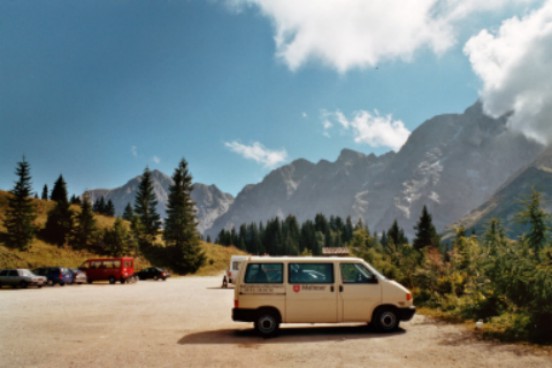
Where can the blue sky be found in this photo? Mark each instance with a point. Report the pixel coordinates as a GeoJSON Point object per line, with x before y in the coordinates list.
{"type": "Point", "coordinates": [99, 90]}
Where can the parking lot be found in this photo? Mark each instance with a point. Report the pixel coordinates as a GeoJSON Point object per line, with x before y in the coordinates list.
{"type": "Point", "coordinates": [186, 322]}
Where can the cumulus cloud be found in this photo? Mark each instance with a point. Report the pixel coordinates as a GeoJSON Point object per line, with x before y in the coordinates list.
{"type": "Point", "coordinates": [347, 34]}
{"type": "Point", "coordinates": [258, 153]}
{"type": "Point", "coordinates": [514, 64]}
{"type": "Point", "coordinates": [370, 128]}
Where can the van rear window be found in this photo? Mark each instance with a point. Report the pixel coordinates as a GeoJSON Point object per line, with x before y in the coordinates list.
{"type": "Point", "coordinates": [311, 273]}
{"type": "Point", "coordinates": [264, 273]}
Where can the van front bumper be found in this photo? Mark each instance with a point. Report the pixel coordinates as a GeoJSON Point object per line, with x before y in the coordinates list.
{"type": "Point", "coordinates": [244, 315]}
{"type": "Point", "coordinates": [406, 314]}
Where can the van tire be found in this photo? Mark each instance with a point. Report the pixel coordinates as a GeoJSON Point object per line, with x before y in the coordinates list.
{"type": "Point", "coordinates": [267, 323]}
{"type": "Point", "coordinates": [386, 319]}
{"type": "Point", "coordinates": [111, 279]}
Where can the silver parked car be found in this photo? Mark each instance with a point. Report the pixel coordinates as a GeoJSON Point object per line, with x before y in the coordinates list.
{"type": "Point", "coordinates": [20, 277]}
{"type": "Point", "coordinates": [79, 277]}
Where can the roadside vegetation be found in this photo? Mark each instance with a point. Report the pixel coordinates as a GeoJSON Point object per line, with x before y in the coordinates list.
{"type": "Point", "coordinates": [503, 284]}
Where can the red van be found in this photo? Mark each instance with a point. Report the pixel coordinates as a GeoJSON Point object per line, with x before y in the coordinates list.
{"type": "Point", "coordinates": [110, 269]}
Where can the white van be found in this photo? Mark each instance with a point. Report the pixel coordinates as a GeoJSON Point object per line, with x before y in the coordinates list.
{"type": "Point", "coordinates": [274, 290]}
{"type": "Point", "coordinates": [234, 267]}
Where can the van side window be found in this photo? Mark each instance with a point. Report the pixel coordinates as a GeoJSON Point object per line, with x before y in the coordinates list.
{"type": "Point", "coordinates": [311, 273]}
{"type": "Point", "coordinates": [264, 273]}
{"type": "Point", "coordinates": [356, 273]}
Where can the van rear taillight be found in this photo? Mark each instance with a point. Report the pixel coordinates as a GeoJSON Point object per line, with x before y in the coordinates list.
{"type": "Point", "coordinates": [408, 297]}
{"type": "Point", "coordinates": [236, 303]}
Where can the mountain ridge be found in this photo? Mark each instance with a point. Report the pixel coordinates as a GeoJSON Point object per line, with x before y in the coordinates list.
{"type": "Point", "coordinates": [451, 163]}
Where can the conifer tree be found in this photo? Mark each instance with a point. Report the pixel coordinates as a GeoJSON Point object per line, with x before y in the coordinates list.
{"type": "Point", "coordinates": [59, 223]}
{"type": "Point", "coordinates": [20, 214]}
{"type": "Point", "coordinates": [85, 234]}
{"type": "Point", "coordinates": [118, 240]}
{"type": "Point", "coordinates": [426, 235]}
{"type": "Point", "coordinates": [180, 232]}
{"type": "Point", "coordinates": [534, 216]}
{"type": "Point", "coordinates": [128, 214]}
{"type": "Point", "coordinates": [59, 193]}
{"type": "Point", "coordinates": [44, 192]}
{"type": "Point", "coordinates": [146, 219]}
{"type": "Point", "coordinates": [395, 235]}
{"type": "Point", "coordinates": [109, 209]}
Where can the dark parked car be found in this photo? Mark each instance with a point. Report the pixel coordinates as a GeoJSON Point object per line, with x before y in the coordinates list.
{"type": "Point", "coordinates": [55, 275]}
{"type": "Point", "coordinates": [155, 273]}
{"type": "Point", "coordinates": [79, 277]}
{"type": "Point", "coordinates": [20, 277]}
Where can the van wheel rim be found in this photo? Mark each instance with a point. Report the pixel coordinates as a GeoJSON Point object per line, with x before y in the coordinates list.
{"type": "Point", "coordinates": [388, 320]}
{"type": "Point", "coordinates": [267, 324]}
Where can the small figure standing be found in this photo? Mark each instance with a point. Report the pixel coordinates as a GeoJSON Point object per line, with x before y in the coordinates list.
{"type": "Point", "coordinates": [224, 282]}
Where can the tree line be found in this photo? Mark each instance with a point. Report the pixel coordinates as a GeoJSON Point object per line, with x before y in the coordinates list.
{"type": "Point", "coordinates": [287, 237]}
{"type": "Point", "coordinates": [139, 232]}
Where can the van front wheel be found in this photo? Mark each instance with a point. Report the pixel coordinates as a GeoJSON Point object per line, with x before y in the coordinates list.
{"type": "Point", "coordinates": [386, 320]}
{"type": "Point", "coordinates": [267, 323]}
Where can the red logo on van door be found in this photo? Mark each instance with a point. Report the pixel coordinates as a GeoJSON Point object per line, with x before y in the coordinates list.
{"type": "Point", "coordinates": [296, 288]}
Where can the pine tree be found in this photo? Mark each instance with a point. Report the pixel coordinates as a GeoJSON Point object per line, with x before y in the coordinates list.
{"type": "Point", "coordinates": [426, 235]}
{"type": "Point", "coordinates": [146, 219]}
{"type": "Point", "coordinates": [180, 232]}
{"type": "Point", "coordinates": [20, 214]}
{"type": "Point", "coordinates": [109, 209]}
{"type": "Point", "coordinates": [59, 223]}
{"type": "Point", "coordinates": [395, 235]}
{"type": "Point", "coordinates": [59, 193]}
{"type": "Point", "coordinates": [85, 233]}
{"type": "Point", "coordinates": [99, 205]}
{"type": "Point", "coordinates": [44, 192]}
{"type": "Point", "coordinates": [128, 214]}
{"type": "Point", "coordinates": [537, 219]}
{"type": "Point", "coordinates": [118, 240]}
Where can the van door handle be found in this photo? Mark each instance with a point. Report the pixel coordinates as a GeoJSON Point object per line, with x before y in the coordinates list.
{"type": "Point", "coordinates": [340, 288]}
{"type": "Point", "coordinates": [332, 289]}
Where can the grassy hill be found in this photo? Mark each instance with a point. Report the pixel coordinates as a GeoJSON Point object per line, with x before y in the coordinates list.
{"type": "Point", "coordinates": [42, 253]}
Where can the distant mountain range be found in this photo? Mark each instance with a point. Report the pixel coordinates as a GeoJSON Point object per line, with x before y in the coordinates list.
{"type": "Point", "coordinates": [451, 163]}
{"type": "Point", "coordinates": [210, 201]}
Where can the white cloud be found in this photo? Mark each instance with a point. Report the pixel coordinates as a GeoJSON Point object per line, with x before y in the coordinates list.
{"type": "Point", "coordinates": [370, 128]}
{"type": "Point", "coordinates": [156, 160]}
{"type": "Point", "coordinates": [347, 34]}
{"type": "Point", "coordinates": [134, 151]}
{"type": "Point", "coordinates": [258, 153]}
{"type": "Point", "coordinates": [514, 64]}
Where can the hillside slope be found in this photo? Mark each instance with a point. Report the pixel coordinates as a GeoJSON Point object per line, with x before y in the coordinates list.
{"type": "Point", "coordinates": [509, 200]}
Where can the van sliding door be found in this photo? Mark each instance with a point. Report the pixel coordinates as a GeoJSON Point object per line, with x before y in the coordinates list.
{"type": "Point", "coordinates": [311, 295]}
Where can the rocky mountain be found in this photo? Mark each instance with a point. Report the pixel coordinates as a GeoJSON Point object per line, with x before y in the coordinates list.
{"type": "Point", "coordinates": [509, 199]}
{"type": "Point", "coordinates": [451, 163]}
{"type": "Point", "coordinates": [210, 201]}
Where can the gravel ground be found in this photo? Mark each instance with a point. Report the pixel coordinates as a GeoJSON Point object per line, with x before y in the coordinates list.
{"type": "Point", "coordinates": [186, 322]}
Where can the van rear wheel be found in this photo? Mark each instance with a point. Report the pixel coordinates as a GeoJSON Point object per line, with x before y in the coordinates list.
{"type": "Point", "coordinates": [267, 323]}
{"type": "Point", "coordinates": [386, 320]}
{"type": "Point", "coordinates": [111, 279]}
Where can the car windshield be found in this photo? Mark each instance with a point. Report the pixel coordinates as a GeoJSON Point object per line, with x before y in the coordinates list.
{"type": "Point", "coordinates": [26, 273]}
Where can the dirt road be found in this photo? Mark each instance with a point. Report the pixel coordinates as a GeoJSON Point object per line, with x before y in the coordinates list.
{"type": "Point", "coordinates": [185, 322]}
